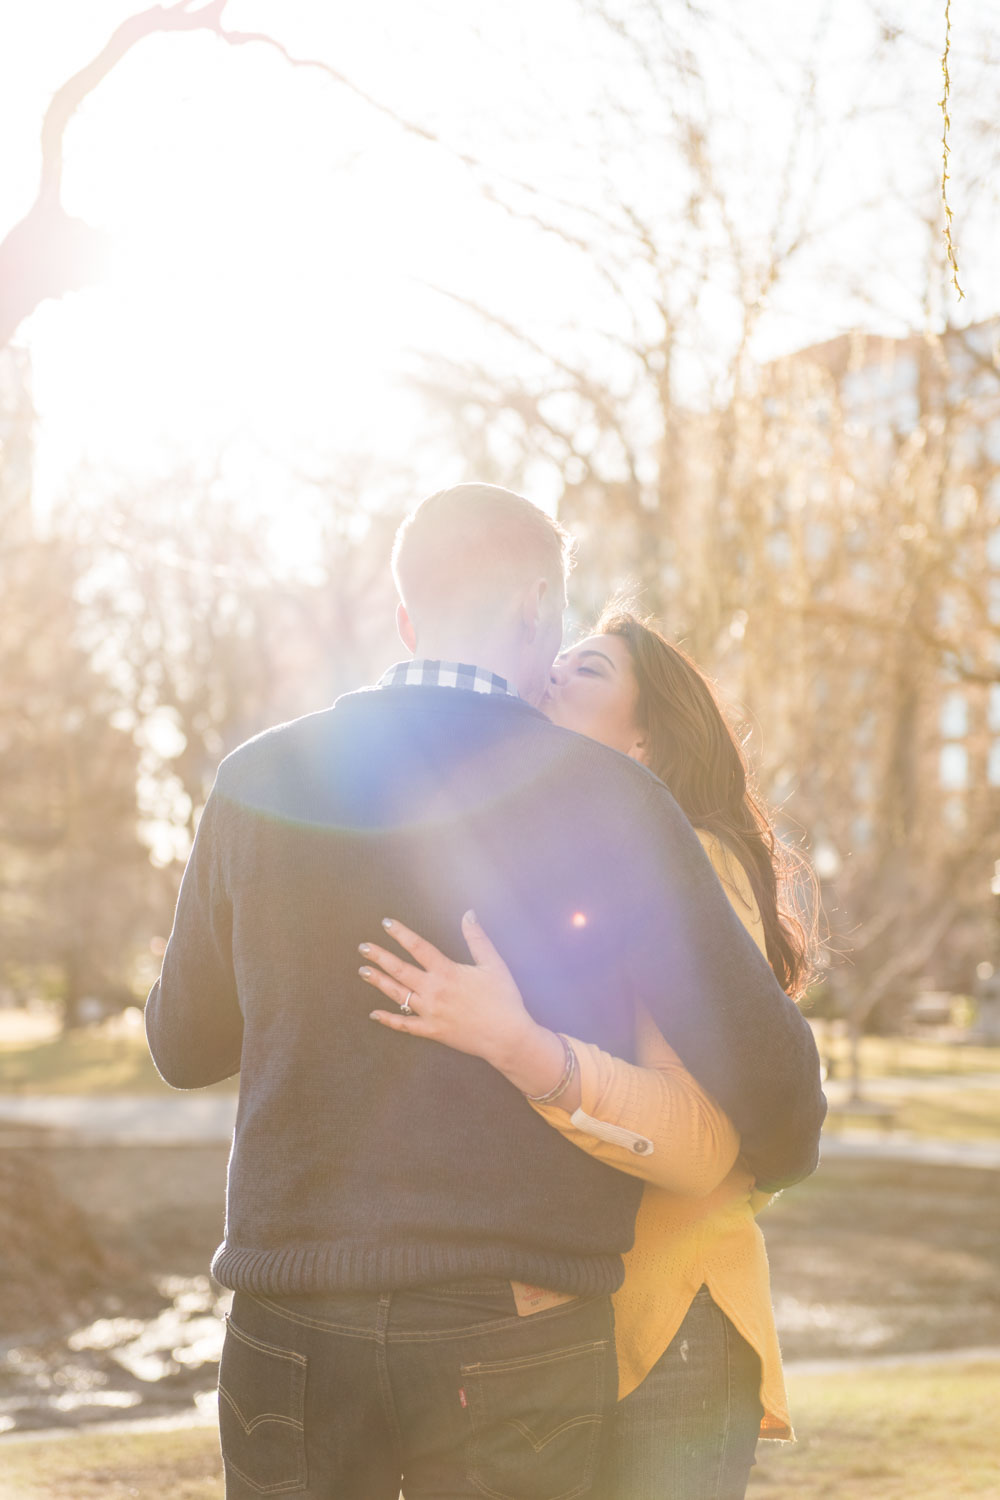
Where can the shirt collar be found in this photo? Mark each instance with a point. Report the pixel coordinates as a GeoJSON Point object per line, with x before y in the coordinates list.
{"type": "Point", "coordinates": [423, 673]}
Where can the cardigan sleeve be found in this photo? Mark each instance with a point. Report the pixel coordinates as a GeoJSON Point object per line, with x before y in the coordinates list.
{"type": "Point", "coordinates": [654, 1120]}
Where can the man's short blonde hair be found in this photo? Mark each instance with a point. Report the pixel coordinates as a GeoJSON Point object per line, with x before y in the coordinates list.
{"type": "Point", "coordinates": [468, 549]}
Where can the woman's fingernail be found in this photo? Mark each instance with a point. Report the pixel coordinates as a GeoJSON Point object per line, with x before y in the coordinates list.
{"type": "Point", "coordinates": [387, 922]}
{"type": "Point", "coordinates": [365, 972]}
{"type": "Point", "coordinates": [470, 916]}
{"type": "Point", "coordinates": [364, 948]}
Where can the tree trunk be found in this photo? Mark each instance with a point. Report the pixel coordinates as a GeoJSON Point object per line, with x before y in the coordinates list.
{"type": "Point", "coordinates": [73, 992]}
{"type": "Point", "coordinates": [854, 1034]}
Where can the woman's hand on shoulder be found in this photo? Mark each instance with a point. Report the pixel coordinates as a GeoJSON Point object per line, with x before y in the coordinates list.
{"type": "Point", "coordinates": [475, 1008]}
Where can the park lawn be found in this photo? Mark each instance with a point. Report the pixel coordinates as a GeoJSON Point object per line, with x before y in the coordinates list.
{"type": "Point", "coordinates": [178, 1465]}
{"type": "Point", "coordinates": [911, 1057]}
{"type": "Point", "coordinates": [883, 1434]}
{"type": "Point", "coordinates": [955, 1111]}
{"type": "Point", "coordinates": [966, 1113]}
{"type": "Point", "coordinates": [93, 1060]}
{"type": "Point", "coordinates": [888, 1434]}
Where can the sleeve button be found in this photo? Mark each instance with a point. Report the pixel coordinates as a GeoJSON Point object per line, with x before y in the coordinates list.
{"type": "Point", "coordinates": [640, 1147]}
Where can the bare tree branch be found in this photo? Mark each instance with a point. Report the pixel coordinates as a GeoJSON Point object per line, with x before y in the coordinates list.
{"type": "Point", "coordinates": [49, 253]}
{"type": "Point", "coordinates": [67, 99]}
{"type": "Point", "coordinates": [587, 389]}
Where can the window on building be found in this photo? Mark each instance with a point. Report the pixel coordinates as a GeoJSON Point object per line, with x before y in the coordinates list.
{"type": "Point", "coordinates": [954, 717]}
{"type": "Point", "coordinates": [993, 764]}
{"type": "Point", "coordinates": [954, 767]}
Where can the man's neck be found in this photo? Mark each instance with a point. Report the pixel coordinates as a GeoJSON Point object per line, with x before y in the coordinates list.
{"type": "Point", "coordinates": [489, 656]}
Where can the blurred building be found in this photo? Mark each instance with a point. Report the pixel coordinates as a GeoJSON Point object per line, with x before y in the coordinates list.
{"type": "Point", "coordinates": [892, 505]}
{"type": "Point", "coordinates": [895, 390]}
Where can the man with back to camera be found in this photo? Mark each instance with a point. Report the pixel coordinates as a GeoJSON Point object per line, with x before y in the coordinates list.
{"type": "Point", "coordinates": [387, 1196]}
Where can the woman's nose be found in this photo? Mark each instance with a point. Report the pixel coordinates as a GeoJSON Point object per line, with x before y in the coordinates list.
{"type": "Point", "coordinates": [557, 675]}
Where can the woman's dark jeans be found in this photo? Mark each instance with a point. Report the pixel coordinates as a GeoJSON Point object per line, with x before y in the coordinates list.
{"type": "Point", "coordinates": [689, 1431]}
{"type": "Point", "coordinates": [442, 1389]}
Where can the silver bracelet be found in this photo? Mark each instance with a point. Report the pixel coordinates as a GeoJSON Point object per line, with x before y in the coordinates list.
{"type": "Point", "coordinates": [567, 1077]}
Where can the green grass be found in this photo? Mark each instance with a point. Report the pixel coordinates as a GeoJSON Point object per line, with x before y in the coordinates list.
{"type": "Point", "coordinates": [968, 1115]}
{"type": "Point", "coordinates": [888, 1435]}
{"type": "Point", "coordinates": [182, 1465]}
{"type": "Point", "coordinates": [89, 1061]}
{"type": "Point", "coordinates": [911, 1057]}
{"type": "Point", "coordinates": [955, 1108]}
{"type": "Point", "coordinates": [876, 1435]}
{"type": "Point", "coordinates": [960, 1112]}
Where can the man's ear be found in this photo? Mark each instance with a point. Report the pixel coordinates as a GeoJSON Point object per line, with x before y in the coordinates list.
{"type": "Point", "coordinates": [531, 607]}
{"type": "Point", "coordinates": [404, 627]}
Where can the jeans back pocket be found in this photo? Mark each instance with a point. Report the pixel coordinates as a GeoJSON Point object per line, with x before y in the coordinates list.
{"type": "Point", "coordinates": [262, 1391]}
{"type": "Point", "coordinates": [536, 1421]}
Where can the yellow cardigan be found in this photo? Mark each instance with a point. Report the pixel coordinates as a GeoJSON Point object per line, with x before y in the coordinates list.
{"type": "Point", "coordinates": [696, 1221]}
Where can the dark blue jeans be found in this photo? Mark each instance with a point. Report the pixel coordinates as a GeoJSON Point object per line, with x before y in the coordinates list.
{"type": "Point", "coordinates": [442, 1389]}
{"type": "Point", "coordinates": [689, 1431]}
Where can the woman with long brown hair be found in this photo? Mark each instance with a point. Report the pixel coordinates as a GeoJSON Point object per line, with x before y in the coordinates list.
{"type": "Point", "coordinates": [699, 1365]}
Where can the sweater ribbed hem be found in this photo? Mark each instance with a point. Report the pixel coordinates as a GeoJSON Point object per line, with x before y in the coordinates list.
{"type": "Point", "coordinates": [369, 1268]}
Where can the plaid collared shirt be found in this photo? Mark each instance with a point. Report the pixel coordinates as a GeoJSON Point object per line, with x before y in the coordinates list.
{"type": "Point", "coordinates": [422, 673]}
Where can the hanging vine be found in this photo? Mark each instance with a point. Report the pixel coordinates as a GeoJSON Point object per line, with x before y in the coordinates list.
{"type": "Point", "coordinates": [945, 103]}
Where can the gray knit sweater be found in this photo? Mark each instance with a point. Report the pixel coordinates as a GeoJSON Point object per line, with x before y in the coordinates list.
{"type": "Point", "coordinates": [367, 1159]}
